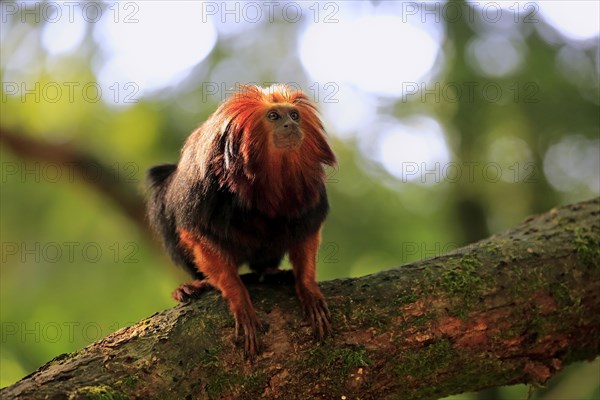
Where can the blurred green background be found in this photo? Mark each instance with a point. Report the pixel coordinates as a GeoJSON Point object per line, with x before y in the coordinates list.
{"type": "Point", "coordinates": [451, 121]}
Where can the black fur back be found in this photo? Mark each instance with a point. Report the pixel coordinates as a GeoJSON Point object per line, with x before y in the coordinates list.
{"type": "Point", "coordinates": [181, 201]}
{"type": "Point", "coordinates": [244, 234]}
{"type": "Point", "coordinates": [162, 220]}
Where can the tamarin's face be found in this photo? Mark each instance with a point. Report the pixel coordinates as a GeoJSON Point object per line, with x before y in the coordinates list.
{"type": "Point", "coordinates": [284, 122]}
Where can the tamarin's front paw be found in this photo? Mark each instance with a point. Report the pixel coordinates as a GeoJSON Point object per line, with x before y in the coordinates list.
{"type": "Point", "coordinates": [317, 312]}
{"type": "Point", "coordinates": [188, 291]}
{"type": "Point", "coordinates": [247, 324]}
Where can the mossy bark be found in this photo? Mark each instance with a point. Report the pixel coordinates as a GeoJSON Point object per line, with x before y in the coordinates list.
{"type": "Point", "coordinates": [513, 308]}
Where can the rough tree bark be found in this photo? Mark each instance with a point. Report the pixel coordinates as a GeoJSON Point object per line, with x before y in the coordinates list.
{"type": "Point", "coordinates": [513, 308]}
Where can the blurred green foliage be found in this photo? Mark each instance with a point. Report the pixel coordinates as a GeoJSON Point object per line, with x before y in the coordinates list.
{"type": "Point", "coordinates": [75, 269]}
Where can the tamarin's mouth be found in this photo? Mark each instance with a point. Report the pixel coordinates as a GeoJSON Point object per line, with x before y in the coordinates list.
{"type": "Point", "coordinates": [290, 141]}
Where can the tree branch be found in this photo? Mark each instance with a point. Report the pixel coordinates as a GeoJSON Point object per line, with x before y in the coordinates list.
{"type": "Point", "coordinates": [514, 308]}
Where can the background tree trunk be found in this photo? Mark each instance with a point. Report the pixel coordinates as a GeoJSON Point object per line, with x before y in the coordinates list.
{"type": "Point", "coordinates": [513, 308]}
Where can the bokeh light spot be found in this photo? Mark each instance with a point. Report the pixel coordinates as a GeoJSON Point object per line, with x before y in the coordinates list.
{"type": "Point", "coordinates": [378, 54]}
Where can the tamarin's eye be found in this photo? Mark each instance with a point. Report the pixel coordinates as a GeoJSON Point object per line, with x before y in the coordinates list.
{"type": "Point", "coordinates": [294, 115]}
{"type": "Point", "coordinates": [272, 115]}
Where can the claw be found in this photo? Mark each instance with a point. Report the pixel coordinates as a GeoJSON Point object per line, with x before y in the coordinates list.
{"type": "Point", "coordinates": [248, 323]}
{"type": "Point", "coordinates": [316, 310]}
{"type": "Point", "coordinates": [187, 291]}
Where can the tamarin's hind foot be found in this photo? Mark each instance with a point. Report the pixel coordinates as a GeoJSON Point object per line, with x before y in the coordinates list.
{"type": "Point", "coordinates": [187, 291]}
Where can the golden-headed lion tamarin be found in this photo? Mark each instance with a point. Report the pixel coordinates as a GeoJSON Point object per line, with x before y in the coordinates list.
{"type": "Point", "coordinates": [249, 188]}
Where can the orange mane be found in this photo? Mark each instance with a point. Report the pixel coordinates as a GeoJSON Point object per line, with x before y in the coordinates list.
{"type": "Point", "coordinates": [234, 145]}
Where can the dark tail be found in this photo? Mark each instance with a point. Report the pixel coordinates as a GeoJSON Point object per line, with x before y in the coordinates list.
{"type": "Point", "coordinates": [159, 174]}
{"type": "Point", "coordinates": [162, 219]}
